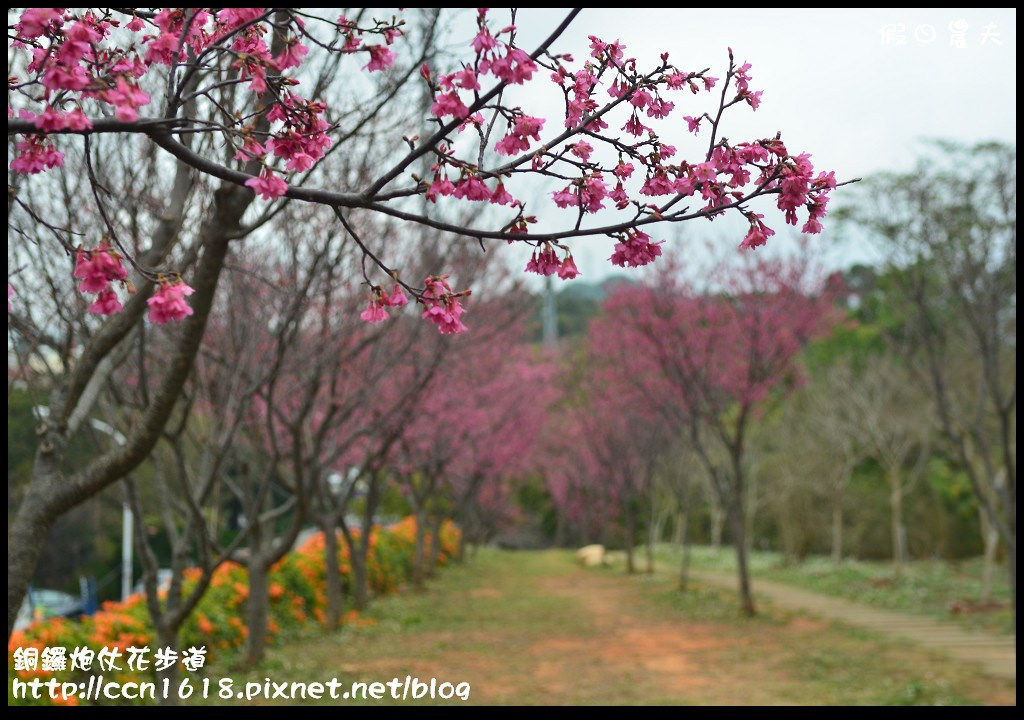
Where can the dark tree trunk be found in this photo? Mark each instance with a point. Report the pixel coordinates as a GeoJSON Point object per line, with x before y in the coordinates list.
{"type": "Point", "coordinates": [335, 592]}
{"type": "Point", "coordinates": [257, 608]}
{"type": "Point", "coordinates": [418, 559]}
{"type": "Point", "coordinates": [684, 536]}
{"type": "Point", "coordinates": [24, 544]}
{"type": "Point", "coordinates": [630, 550]}
{"type": "Point", "coordinates": [461, 557]}
{"type": "Point", "coordinates": [739, 530]}
{"type": "Point", "coordinates": [360, 578]}
{"type": "Point", "coordinates": [168, 638]}
{"type": "Point", "coordinates": [435, 547]}
{"type": "Point", "coordinates": [1011, 561]}
{"type": "Point", "coordinates": [837, 532]}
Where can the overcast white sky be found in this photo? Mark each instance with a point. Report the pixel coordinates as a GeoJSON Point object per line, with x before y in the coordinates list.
{"type": "Point", "coordinates": [838, 83]}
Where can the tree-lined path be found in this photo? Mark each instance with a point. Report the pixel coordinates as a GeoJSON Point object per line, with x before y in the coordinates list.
{"type": "Point", "coordinates": [535, 628]}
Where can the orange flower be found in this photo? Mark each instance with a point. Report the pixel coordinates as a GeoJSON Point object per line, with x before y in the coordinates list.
{"type": "Point", "coordinates": [205, 626]}
{"type": "Point", "coordinates": [276, 591]}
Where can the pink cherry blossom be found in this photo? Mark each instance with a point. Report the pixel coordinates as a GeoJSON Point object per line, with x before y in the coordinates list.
{"type": "Point", "coordinates": [512, 145]}
{"type": "Point", "coordinates": [446, 104]}
{"type": "Point", "coordinates": [658, 184]}
{"type": "Point", "coordinates": [126, 99]}
{"type": "Point", "coordinates": [568, 270]}
{"type": "Point", "coordinates": [636, 250]}
{"type": "Point", "coordinates": [544, 262]}
{"type": "Point", "coordinates": [502, 196]}
{"type": "Point", "coordinates": [168, 302]}
{"type": "Point", "coordinates": [59, 77]}
{"type": "Point", "coordinates": [582, 150]}
{"type": "Point", "coordinates": [566, 198]}
{"type": "Point", "coordinates": [381, 58]}
{"type": "Point", "coordinates": [35, 22]}
{"type": "Point", "coordinates": [268, 185]}
{"type": "Point", "coordinates": [620, 196]}
{"type": "Point", "coordinates": [634, 127]}
{"type": "Point", "coordinates": [106, 303]}
{"type": "Point", "coordinates": [443, 306]}
{"type": "Point", "coordinates": [811, 227]}
{"type": "Point", "coordinates": [472, 188]}
{"type": "Point", "coordinates": [374, 312]}
{"type": "Point", "coordinates": [466, 79]}
{"type": "Point", "coordinates": [440, 186]}
{"type": "Point", "coordinates": [397, 298]}
{"type": "Point", "coordinates": [757, 235]}
{"type": "Point", "coordinates": [593, 192]}
{"type": "Point", "coordinates": [52, 120]}
{"type": "Point", "coordinates": [292, 55]}
{"type": "Point", "coordinates": [515, 68]}
{"type": "Point", "coordinates": [528, 126]}
{"type": "Point", "coordinates": [96, 268]}
{"type": "Point", "coordinates": [35, 154]}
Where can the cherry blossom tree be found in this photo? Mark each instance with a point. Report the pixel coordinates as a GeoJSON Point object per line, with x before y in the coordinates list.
{"type": "Point", "coordinates": [707, 362]}
{"type": "Point", "coordinates": [253, 102]}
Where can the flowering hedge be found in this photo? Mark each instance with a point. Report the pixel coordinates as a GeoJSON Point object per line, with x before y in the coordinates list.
{"type": "Point", "coordinates": [297, 598]}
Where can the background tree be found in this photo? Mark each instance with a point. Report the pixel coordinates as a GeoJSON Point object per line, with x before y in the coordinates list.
{"type": "Point", "coordinates": [709, 362]}
{"type": "Point", "coordinates": [950, 232]}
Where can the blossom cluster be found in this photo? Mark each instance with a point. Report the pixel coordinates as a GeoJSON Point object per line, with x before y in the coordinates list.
{"type": "Point", "coordinates": [607, 155]}
{"type": "Point", "coordinates": [97, 269]}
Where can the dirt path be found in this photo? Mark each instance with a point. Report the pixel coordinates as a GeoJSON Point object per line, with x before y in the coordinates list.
{"type": "Point", "coordinates": [996, 655]}
{"type": "Point", "coordinates": [535, 628]}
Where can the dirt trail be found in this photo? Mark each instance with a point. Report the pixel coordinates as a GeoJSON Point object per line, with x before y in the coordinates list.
{"type": "Point", "coordinates": [535, 628]}
{"type": "Point", "coordinates": [622, 642]}
{"type": "Point", "coordinates": [995, 654]}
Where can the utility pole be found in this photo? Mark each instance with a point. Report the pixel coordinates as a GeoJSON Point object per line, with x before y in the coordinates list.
{"type": "Point", "coordinates": [549, 316]}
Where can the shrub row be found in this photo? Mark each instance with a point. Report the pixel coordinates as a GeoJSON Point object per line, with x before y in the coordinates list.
{"type": "Point", "coordinates": [297, 599]}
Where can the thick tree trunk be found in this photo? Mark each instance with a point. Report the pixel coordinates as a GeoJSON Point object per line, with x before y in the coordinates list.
{"type": "Point", "coordinates": [168, 638]}
{"type": "Point", "coordinates": [24, 544]}
{"type": "Point", "coordinates": [51, 493]}
{"type": "Point", "coordinates": [257, 610]}
{"type": "Point", "coordinates": [332, 573]}
{"type": "Point", "coordinates": [837, 533]}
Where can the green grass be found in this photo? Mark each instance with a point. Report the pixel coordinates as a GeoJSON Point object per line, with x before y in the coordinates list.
{"type": "Point", "coordinates": [928, 587]}
{"type": "Point", "coordinates": [534, 628]}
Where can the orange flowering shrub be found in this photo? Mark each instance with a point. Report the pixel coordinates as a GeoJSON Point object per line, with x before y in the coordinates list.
{"type": "Point", "coordinates": [297, 598]}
